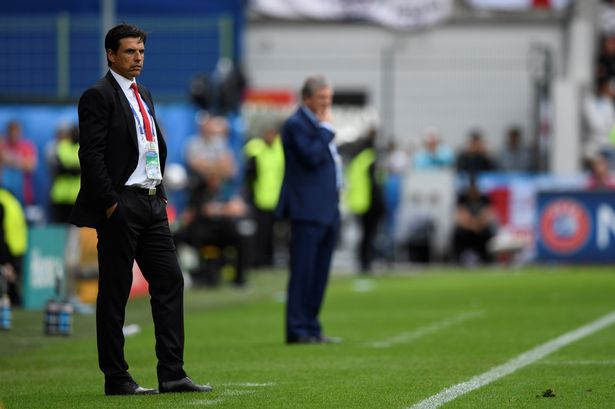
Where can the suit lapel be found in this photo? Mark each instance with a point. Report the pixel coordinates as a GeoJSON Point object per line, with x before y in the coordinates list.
{"type": "Point", "coordinates": [130, 120]}
{"type": "Point", "coordinates": [316, 128]}
{"type": "Point", "coordinates": [307, 118]}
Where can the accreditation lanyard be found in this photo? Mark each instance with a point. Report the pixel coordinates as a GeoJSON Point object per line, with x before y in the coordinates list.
{"type": "Point", "coordinates": [152, 160]}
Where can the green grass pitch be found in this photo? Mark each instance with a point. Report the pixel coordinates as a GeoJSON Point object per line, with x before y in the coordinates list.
{"type": "Point", "coordinates": [407, 336]}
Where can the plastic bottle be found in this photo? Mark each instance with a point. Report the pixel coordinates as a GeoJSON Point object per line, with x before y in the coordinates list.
{"type": "Point", "coordinates": [6, 315]}
{"type": "Point", "coordinates": [65, 318]}
{"type": "Point", "coordinates": [52, 312]}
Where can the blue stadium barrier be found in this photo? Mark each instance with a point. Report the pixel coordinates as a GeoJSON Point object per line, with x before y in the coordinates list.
{"type": "Point", "coordinates": [177, 121]}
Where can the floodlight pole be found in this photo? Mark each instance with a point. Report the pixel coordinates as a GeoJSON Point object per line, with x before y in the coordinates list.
{"type": "Point", "coordinates": [387, 88]}
{"type": "Point", "coordinates": [107, 19]}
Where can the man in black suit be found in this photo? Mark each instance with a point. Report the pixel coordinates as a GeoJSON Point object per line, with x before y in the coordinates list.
{"type": "Point", "coordinates": [122, 155]}
{"type": "Point", "coordinates": [309, 197]}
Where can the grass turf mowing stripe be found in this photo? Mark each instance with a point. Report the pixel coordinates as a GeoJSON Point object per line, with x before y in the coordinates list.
{"type": "Point", "coordinates": [526, 358]}
{"type": "Point", "coordinates": [426, 330]}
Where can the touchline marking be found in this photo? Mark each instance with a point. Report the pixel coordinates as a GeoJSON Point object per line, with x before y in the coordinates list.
{"type": "Point", "coordinates": [580, 362]}
{"type": "Point", "coordinates": [526, 358]}
{"type": "Point", "coordinates": [250, 384]}
{"type": "Point", "coordinates": [235, 392]}
{"type": "Point", "coordinates": [205, 402]}
{"type": "Point", "coordinates": [426, 330]}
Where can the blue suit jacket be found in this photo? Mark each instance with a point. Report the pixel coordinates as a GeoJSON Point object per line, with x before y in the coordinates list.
{"type": "Point", "coordinates": [309, 190]}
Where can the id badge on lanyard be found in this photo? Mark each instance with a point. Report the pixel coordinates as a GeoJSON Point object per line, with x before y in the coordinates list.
{"type": "Point", "coordinates": [152, 161]}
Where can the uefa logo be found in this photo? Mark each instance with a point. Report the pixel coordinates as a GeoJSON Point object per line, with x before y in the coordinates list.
{"type": "Point", "coordinates": [565, 226]}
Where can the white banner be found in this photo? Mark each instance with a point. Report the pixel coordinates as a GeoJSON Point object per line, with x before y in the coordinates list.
{"type": "Point", "coordinates": [402, 14]}
{"type": "Point", "coordinates": [519, 4]}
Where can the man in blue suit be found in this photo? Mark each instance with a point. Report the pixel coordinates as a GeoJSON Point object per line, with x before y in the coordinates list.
{"type": "Point", "coordinates": [309, 197]}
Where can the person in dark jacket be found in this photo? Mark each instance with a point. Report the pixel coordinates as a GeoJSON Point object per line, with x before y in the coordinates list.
{"type": "Point", "coordinates": [310, 198]}
{"type": "Point", "coordinates": [122, 155]}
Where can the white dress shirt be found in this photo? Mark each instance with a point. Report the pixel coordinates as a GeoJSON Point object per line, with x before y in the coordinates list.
{"type": "Point", "coordinates": [139, 176]}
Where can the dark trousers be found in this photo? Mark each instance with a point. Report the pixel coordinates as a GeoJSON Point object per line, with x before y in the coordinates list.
{"type": "Point", "coordinates": [367, 247]}
{"type": "Point", "coordinates": [263, 239]}
{"type": "Point", "coordinates": [311, 251]}
{"type": "Point", "coordinates": [14, 289]}
{"type": "Point", "coordinates": [139, 230]}
{"type": "Point", "coordinates": [464, 239]}
{"type": "Point", "coordinates": [218, 231]}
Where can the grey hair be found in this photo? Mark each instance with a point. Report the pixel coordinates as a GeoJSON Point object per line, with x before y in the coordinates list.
{"type": "Point", "coordinates": [313, 84]}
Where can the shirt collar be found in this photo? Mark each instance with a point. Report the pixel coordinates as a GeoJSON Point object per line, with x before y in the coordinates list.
{"type": "Point", "coordinates": [124, 82]}
{"type": "Point", "coordinates": [309, 114]}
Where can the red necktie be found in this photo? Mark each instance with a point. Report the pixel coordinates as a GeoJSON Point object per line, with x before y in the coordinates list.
{"type": "Point", "coordinates": [148, 127]}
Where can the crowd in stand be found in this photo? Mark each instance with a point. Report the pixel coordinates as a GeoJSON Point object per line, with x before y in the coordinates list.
{"type": "Point", "coordinates": [19, 197]}
{"type": "Point", "coordinates": [598, 105]}
{"type": "Point", "coordinates": [229, 216]}
{"type": "Point", "coordinates": [474, 219]}
{"type": "Point", "coordinates": [232, 195]}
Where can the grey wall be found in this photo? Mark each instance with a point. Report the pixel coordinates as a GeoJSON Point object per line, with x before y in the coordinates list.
{"type": "Point", "coordinates": [453, 77]}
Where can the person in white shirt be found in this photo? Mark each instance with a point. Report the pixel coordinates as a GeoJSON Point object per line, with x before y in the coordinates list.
{"type": "Point", "coordinates": [122, 156]}
{"type": "Point", "coordinates": [599, 116]}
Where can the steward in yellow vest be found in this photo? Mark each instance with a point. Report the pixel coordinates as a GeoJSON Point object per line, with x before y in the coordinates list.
{"type": "Point", "coordinates": [13, 242]}
{"type": "Point", "coordinates": [66, 183]}
{"type": "Point", "coordinates": [364, 198]}
{"type": "Point", "coordinates": [264, 175]}
{"type": "Point", "coordinates": [359, 190]}
{"type": "Point", "coordinates": [267, 171]}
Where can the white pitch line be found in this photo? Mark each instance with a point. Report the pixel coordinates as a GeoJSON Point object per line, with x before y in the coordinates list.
{"type": "Point", "coordinates": [526, 358]}
{"type": "Point", "coordinates": [250, 384]}
{"type": "Point", "coordinates": [426, 330]}
{"type": "Point", "coordinates": [205, 402]}
{"type": "Point", "coordinates": [581, 362]}
{"type": "Point", "coordinates": [235, 392]}
{"type": "Point", "coordinates": [232, 392]}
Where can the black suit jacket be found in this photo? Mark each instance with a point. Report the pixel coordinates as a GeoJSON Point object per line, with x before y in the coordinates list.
{"type": "Point", "coordinates": [108, 150]}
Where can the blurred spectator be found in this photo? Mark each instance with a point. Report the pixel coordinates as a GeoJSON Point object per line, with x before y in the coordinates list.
{"type": "Point", "coordinates": [264, 170]}
{"type": "Point", "coordinates": [208, 152]}
{"type": "Point", "coordinates": [394, 164]}
{"type": "Point", "coordinates": [433, 154]}
{"type": "Point", "coordinates": [214, 210]}
{"type": "Point", "coordinates": [605, 67]}
{"type": "Point", "coordinates": [606, 18]}
{"type": "Point", "coordinates": [474, 226]}
{"type": "Point", "coordinates": [364, 199]}
{"type": "Point", "coordinates": [214, 219]}
{"type": "Point", "coordinates": [13, 243]}
{"type": "Point", "coordinates": [599, 115]}
{"type": "Point", "coordinates": [474, 158]}
{"type": "Point", "coordinates": [600, 177]}
{"type": "Point", "coordinates": [19, 160]}
{"type": "Point", "coordinates": [514, 156]}
{"type": "Point", "coordinates": [64, 166]}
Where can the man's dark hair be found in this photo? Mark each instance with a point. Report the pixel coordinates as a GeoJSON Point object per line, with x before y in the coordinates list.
{"type": "Point", "coordinates": [115, 34]}
{"type": "Point", "coordinates": [475, 135]}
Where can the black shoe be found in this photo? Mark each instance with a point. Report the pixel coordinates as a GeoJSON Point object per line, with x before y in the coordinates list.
{"type": "Point", "coordinates": [183, 385]}
{"type": "Point", "coordinates": [301, 340]}
{"type": "Point", "coordinates": [127, 388]}
{"type": "Point", "coordinates": [323, 339]}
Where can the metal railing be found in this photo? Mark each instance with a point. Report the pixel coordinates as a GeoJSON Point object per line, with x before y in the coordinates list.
{"type": "Point", "coordinates": [56, 58]}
